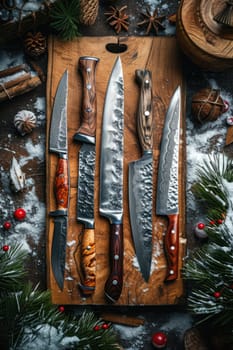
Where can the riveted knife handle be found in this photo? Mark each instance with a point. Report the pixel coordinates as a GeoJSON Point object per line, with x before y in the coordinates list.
{"type": "Point", "coordinates": [172, 247]}
{"type": "Point", "coordinates": [113, 285]}
{"type": "Point", "coordinates": [87, 68]}
{"type": "Point", "coordinates": [61, 185]}
{"type": "Point", "coordinates": [144, 114]}
{"type": "Point", "coordinates": [88, 262]}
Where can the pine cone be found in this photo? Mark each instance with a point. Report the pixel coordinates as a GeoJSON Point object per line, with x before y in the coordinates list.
{"type": "Point", "coordinates": [35, 44]}
{"type": "Point", "coordinates": [89, 11]}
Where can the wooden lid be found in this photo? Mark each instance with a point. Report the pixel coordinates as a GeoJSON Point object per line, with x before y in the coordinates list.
{"type": "Point", "coordinates": [207, 43]}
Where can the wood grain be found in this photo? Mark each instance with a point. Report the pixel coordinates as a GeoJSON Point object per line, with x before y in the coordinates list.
{"type": "Point", "coordinates": [162, 57]}
{"type": "Point", "coordinates": [208, 44]}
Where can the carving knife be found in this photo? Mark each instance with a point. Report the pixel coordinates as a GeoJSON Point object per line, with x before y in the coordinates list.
{"type": "Point", "coordinates": [111, 177]}
{"type": "Point", "coordinates": [86, 173]}
{"type": "Point", "coordinates": [141, 178]}
{"type": "Point", "coordinates": [58, 144]}
{"type": "Point", "coordinates": [167, 202]}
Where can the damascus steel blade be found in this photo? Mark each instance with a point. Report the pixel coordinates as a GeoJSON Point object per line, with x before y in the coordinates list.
{"type": "Point", "coordinates": [85, 207]}
{"type": "Point", "coordinates": [111, 164]}
{"type": "Point", "coordinates": [58, 129]}
{"type": "Point", "coordinates": [140, 206]}
{"type": "Point", "coordinates": [59, 248]}
{"type": "Point", "coordinates": [167, 189]}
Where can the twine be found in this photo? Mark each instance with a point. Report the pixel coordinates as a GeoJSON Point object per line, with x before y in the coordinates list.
{"type": "Point", "coordinates": [89, 11]}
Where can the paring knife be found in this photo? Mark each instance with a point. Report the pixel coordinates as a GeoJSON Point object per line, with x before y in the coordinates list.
{"type": "Point", "coordinates": [167, 202]}
{"type": "Point", "coordinates": [58, 144]}
{"type": "Point", "coordinates": [111, 177]}
{"type": "Point", "coordinates": [86, 173]}
{"type": "Point", "coordinates": [141, 178]}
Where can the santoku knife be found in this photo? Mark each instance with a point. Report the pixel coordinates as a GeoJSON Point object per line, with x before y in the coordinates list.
{"type": "Point", "coordinates": [86, 173]}
{"type": "Point", "coordinates": [141, 178]}
{"type": "Point", "coordinates": [59, 145]}
{"type": "Point", "coordinates": [167, 202]}
{"type": "Point", "coordinates": [111, 177]}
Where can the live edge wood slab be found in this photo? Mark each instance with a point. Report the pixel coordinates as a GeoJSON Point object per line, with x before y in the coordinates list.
{"type": "Point", "coordinates": [162, 56]}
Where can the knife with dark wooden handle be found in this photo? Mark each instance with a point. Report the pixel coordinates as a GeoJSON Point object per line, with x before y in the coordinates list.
{"type": "Point", "coordinates": [86, 173]}
{"type": "Point", "coordinates": [111, 178]}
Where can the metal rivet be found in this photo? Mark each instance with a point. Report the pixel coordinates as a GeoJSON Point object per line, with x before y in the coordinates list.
{"type": "Point", "coordinates": [172, 247]}
{"type": "Point", "coordinates": [88, 247]}
{"type": "Point", "coordinates": [88, 69]}
{"type": "Point", "coordinates": [173, 231]}
{"type": "Point", "coordinates": [146, 113]}
{"type": "Point", "coordinates": [171, 272]}
{"type": "Point", "coordinates": [114, 282]}
{"type": "Point", "coordinates": [116, 257]}
{"type": "Point", "coordinates": [88, 86]}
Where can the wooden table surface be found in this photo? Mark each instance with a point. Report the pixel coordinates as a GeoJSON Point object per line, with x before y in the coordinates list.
{"type": "Point", "coordinates": [13, 144]}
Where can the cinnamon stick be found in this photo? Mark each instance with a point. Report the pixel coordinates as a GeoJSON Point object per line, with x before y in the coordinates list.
{"type": "Point", "coordinates": [13, 82]}
{"type": "Point", "coordinates": [20, 88]}
{"type": "Point", "coordinates": [13, 70]}
{"type": "Point", "coordinates": [123, 319]}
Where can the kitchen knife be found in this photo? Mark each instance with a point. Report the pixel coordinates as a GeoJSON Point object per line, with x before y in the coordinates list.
{"type": "Point", "coordinates": [167, 202]}
{"type": "Point", "coordinates": [58, 144]}
{"type": "Point", "coordinates": [141, 178]}
{"type": "Point", "coordinates": [86, 173]}
{"type": "Point", "coordinates": [111, 177]}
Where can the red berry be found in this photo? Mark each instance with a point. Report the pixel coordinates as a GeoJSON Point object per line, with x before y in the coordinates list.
{"type": "Point", "coordinates": [7, 225]}
{"type": "Point", "coordinates": [217, 295]}
{"type": "Point", "coordinates": [159, 340]}
{"type": "Point", "coordinates": [201, 226]}
{"type": "Point", "coordinates": [105, 326]}
{"type": "Point", "coordinates": [219, 221]}
{"type": "Point", "coordinates": [61, 308]}
{"type": "Point", "coordinates": [212, 222]}
{"type": "Point", "coordinates": [5, 248]}
{"type": "Point", "coordinates": [19, 214]}
{"type": "Point", "coordinates": [96, 328]}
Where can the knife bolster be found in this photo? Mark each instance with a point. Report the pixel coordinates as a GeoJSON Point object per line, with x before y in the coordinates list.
{"type": "Point", "coordinates": [84, 138]}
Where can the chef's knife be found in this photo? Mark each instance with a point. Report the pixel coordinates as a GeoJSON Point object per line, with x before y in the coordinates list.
{"type": "Point", "coordinates": [167, 202]}
{"type": "Point", "coordinates": [141, 178]}
{"type": "Point", "coordinates": [86, 173]}
{"type": "Point", "coordinates": [58, 144]}
{"type": "Point", "coordinates": [111, 177]}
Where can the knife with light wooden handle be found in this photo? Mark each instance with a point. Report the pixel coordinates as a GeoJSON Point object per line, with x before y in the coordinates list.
{"type": "Point", "coordinates": [86, 174]}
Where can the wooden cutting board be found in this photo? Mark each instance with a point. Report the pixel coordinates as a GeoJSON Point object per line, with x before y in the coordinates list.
{"type": "Point", "coordinates": [162, 56]}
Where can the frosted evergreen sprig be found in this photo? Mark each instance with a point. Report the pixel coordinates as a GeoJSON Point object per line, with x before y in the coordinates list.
{"type": "Point", "coordinates": [210, 267]}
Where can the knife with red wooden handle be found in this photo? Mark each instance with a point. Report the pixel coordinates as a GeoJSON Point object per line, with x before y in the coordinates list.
{"type": "Point", "coordinates": [58, 144]}
{"type": "Point", "coordinates": [167, 202]}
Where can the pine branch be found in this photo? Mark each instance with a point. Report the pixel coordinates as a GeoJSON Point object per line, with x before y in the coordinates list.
{"type": "Point", "coordinates": [12, 269]}
{"type": "Point", "coordinates": [65, 18]}
{"type": "Point", "coordinates": [210, 268]}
